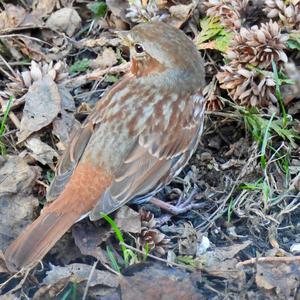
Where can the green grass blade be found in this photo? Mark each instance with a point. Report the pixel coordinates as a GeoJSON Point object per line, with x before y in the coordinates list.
{"type": "Point", "coordinates": [265, 142]}
{"type": "Point", "coordinates": [113, 260]}
{"type": "Point", "coordinates": [278, 93]}
{"type": "Point", "coordinates": [118, 234]}
{"type": "Point", "coordinates": [4, 119]}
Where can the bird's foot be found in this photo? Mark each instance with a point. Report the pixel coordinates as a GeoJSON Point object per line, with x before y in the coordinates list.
{"type": "Point", "coordinates": [183, 205]}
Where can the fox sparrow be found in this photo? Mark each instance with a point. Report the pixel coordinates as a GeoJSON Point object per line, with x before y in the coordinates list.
{"type": "Point", "coordinates": [140, 135]}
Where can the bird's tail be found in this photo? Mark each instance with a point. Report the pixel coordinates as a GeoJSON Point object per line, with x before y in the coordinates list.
{"type": "Point", "coordinates": [39, 237]}
{"type": "Point", "coordinates": [80, 195]}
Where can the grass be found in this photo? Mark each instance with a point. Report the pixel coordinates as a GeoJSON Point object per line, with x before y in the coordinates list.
{"type": "Point", "coordinates": [3, 126]}
{"type": "Point", "coordinates": [128, 254]}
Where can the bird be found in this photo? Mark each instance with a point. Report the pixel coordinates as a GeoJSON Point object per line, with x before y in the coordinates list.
{"type": "Point", "coordinates": [139, 136]}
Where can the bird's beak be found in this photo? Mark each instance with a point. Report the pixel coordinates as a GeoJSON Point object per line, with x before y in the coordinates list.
{"type": "Point", "coordinates": [125, 37]}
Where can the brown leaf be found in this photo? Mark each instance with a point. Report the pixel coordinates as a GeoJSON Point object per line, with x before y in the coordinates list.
{"type": "Point", "coordinates": [188, 241]}
{"type": "Point", "coordinates": [221, 262]}
{"type": "Point", "coordinates": [282, 277]}
{"type": "Point", "coordinates": [88, 237]}
{"type": "Point", "coordinates": [51, 291]}
{"type": "Point", "coordinates": [66, 20]}
{"type": "Point", "coordinates": [81, 272]}
{"type": "Point", "coordinates": [40, 151]}
{"type": "Point", "coordinates": [12, 16]}
{"type": "Point", "coordinates": [16, 201]}
{"type": "Point", "coordinates": [158, 282]}
{"type": "Point", "coordinates": [42, 104]}
{"type": "Point", "coordinates": [128, 220]}
{"type": "Point", "coordinates": [42, 8]}
{"type": "Point", "coordinates": [63, 124]}
{"type": "Point", "coordinates": [107, 59]}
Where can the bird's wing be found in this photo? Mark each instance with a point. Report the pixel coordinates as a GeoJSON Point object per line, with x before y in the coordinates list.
{"type": "Point", "coordinates": [155, 158]}
{"type": "Point", "coordinates": [80, 138]}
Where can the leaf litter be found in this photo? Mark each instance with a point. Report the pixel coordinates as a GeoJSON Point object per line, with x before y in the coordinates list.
{"type": "Point", "coordinates": [59, 57]}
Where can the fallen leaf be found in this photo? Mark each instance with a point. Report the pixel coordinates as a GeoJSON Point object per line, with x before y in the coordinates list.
{"type": "Point", "coordinates": [66, 20]}
{"type": "Point", "coordinates": [51, 291]}
{"type": "Point", "coordinates": [12, 16]}
{"type": "Point", "coordinates": [283, 277]}
{"type": "Point", "coordinates": [42, 8]}
{"type": "Point", "coordinates": [81, 272]}
{"type": "Point", "coordinates": [128, 220]}
{"type": "Point", "coordinates": [40, 151]}
{"type": "Point", "coordinates": [16, 201]}
{"type": "Point", "coordinates": [188, 241]}
{"type": "Point", "coordinates": [88, 237]}
{"type": "Point", "coordinates": [15, 16]}
{"type": "Point", "coordinates": [42, 104]}
{"type": "Point", "coordinates": [118, 8]}
{"type": "Point", "coordinates": [220, 262]}
{"type": "Point", "coordinates": [179, 14]}
{"type": "Point", "coordinates": [100, 42]}
{"type": "Point", "coordinates": [105, 60]}
{"type": "Point", "coordinates": [65, 122]}
{"type": "Point", "coordinates": [156, 281]}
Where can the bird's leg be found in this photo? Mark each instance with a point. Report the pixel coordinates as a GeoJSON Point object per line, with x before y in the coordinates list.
{"type": "Point", "coordinates": [182, 206]}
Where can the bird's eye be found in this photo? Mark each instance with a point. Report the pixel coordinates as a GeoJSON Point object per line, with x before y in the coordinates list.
{"type": "Point", "coordinates": [138, 48]}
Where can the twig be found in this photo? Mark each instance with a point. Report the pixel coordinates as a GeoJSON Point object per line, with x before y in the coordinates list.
{"type": "Point", "coordinates": [9, 67]}
{"type": "Point", "coordinates": [158, 258]}
{"type": "Point", "coordinates": [95, 75]}
{"type": "Point", "coordinates": [269, 259]}
{"type": "Point", "coordinates": [86, 289]}
{"type": "Point", "coordinates": [16, 275]}
{"type": "Point", "coordinates": [24, 36]}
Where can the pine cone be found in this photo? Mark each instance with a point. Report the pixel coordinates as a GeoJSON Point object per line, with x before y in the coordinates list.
{"type": "Point", "coordinates": [229, 12]}
{"type": "Point", "coordinates": [142, 11]}
{"type": "Point", "coordinates": [248, 88]}
{"type": "Point", "coordinates": [286, 12]}
{"type": "Point", "coordinates": [211, 94]}
{"type": "Point", "coordinates": [150, 236]}
{"type": "Point", "coordinates": [37, 71]}
{"type": "Point", "coordinates": [259, 46]}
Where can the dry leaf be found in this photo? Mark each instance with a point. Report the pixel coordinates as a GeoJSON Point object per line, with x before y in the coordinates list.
{"type": "Point", "coordinates": [100, 42]}
{"type": "Point", "coordinates": [81, 272]}
{"type": "Point", "coordinates": [16, 201]}
{"type": "Point", "coordinates": [88, 237]}
{"type": "Point", "coordinates": [42, 104]}
{"type": "Point", "coordinates": [41, 151]}
{"type": "Point", "coordinates": [66, 20]}
{"type": "Point", "coordinates": [42, 8]}
{"type": "Point", "coordinates": [51, 291]}
{"type": "Point", "coordinates": [188, 241]}
{"type": "Point", "coordinates": [12, 16]}
{"type": "Point", "coordinates": [16, 16]}
{"type": "Point", "coordinates": [282, 277]}
{"type": "Point", "coordinates": [105, 60]}
{"type": "Point", "coordinates": [221, 262]}
{"type": "Point", "coordinates": [65, 122]}
{"type": "Point", "coordinates": [128, 220]}
{"type": "Point", "coordinates": [158, 281]}
{"type": "Point", "coordinates": [118, 8]}
{"type": "Point", "coordinates": [179, 14]}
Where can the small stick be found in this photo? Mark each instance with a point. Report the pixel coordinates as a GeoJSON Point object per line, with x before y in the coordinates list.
{"type": "Point", "coordinates": [96, 75]}
{"type": "Point", "coordinates": [269, 259]}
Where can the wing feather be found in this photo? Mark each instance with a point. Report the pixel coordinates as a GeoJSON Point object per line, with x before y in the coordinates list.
{"type": "Point", "coordinates": [152, 162]}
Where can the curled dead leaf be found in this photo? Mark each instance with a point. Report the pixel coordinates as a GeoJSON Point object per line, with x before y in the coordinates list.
{"type": "Point", "coordinates": [42, 104]}
{"type": "Point", "coordinates": [66, 20]}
